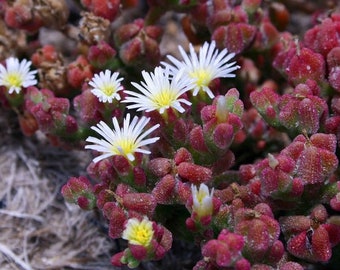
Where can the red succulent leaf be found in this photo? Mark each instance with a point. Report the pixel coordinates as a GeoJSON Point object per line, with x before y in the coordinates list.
{"type": "Point", "coordinates": [321, 245]}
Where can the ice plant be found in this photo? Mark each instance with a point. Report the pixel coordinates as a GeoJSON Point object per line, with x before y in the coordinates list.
{"type": "Point", "coordinates": [250, 175]}
{"type": "Point", "coordinates": [159, 92]}
{"type": "Point", "coordinates": [204, 67]}
{"type": "Point", "coordinates": [138, 232]}
{"type": "Point", "coordinates": [16, 75]}
{"type": "Point", "coordinates": [123, 141]}
{"type": "Point", "coordinates": [106, 86]}
{"type": "Point", "coordinates": [202, 200]}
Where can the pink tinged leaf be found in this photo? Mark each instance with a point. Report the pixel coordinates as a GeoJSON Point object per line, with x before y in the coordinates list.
{"type": "Point", "coordinates": [297, 187]}
{"type": "Point", "coordinates": [182, 155]}
{"type": "Point", "coordinates": [242, 264]}
{"type": "Point", "coordinates": [223, 135]}
{"type": "Point", "coordinates": [144, 203]}
{"type": "Point", "coordinates": [329, 162]}
{"type": "Point", "coordinates": [181, 130]}
{"type": "Point", "coordinates": [160, 166]}
{"type": "Point", "coordinates": [164, 189]}
{"type": "Point", "coordinates": [139, 252]}
{"type": "Point", "coordinates": [236, 37]}
{"type": "Point", "coordinates": [319, 214]}
{"type": "Point", "coordinates": [299, 245]}
{"type": "Point", "coordinates": [273, 227]}
{"type": "Point", "coordinates": [333, 233]}
{"type": "Point", "coordinates": [223, 257]}
{"type": "Point", "coordinates": [289, 112]}
{"type": "Point", "coordinates": [321, 245]}
{"type": "Point", "coordinates": [270, 181]}
{"type": "Point", "coordinates": [306, 64]}
{"type": "Point", "coordinates": [309, 167]}
{"type": "Point", "coordinates": [197, 139]}
{"type": "Point", "coordinates": [276, 252]}
{"type": "Point", "coordinates": [258, 239]}
{"type": "Point", "coordinates": [194, 173]}
{"type": "Point", "coordinates": [291, 266]}
{"type": "Point", "coordinates": [324, 141]}
{"type": "Point", "coordinates": [116, 218]}
{"type": "Point", "coordinates": [294, 224]}
{"type": "Point", "coordinates": [308, 116]}
{"type": "Point", "coordinates": [264, 209]}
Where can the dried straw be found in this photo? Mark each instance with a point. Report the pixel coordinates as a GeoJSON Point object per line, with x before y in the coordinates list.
{"type": "Point", "coordinates": [38, 230]}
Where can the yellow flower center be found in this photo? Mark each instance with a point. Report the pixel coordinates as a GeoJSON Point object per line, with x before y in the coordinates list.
{"type": "Point", "coordinates": [164, 98]}
{"type": "Point", "coordinates": [14, 79]}
{"type": "Point", "coordinates": [200, 196]}
{"type": "Point", "coordinates": [143, 235]}
{"type": "Point", "coordinates": [203, 77]}
{"type": "Point", "coordinates": [139, 232]}
{"type": "Point", "coordinates": [124, 147]}
{"type": "Point", "coordinates": [108, 89]}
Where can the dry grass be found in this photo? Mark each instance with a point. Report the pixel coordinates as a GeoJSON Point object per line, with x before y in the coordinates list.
{"type": "Point", "coordinates": [37, 229]}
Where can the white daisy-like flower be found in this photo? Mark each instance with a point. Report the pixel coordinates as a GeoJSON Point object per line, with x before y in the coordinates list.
{"type": "Point", "coordinates": [159, 92]}
{"type": "Point", "coordinates": [17, 75]}
{"type": "Point", "coordinates": [202, 200]}
{"type": "Point", "coordinates": [138, 232]}
{"type": "Point", "coordinates": [123, 141]}
{"type": "Point", "coordinates": [106, 86]}
{"type": "Point", "coordinates": [205, 66]}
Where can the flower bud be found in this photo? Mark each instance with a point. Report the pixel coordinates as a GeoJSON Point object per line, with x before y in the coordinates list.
{"type": "Point", "coordinates": [225, 250]}
{"type": "Point", "coordinates": [107, 9]}
{"type": "Point", "coordinates": [20, 16]}
{"type": "Point", "coordinates": [279, 15]}
{"type": "Point", "coordinates": [102, 55]}
{"type": "Point", "coordinates": [202, 201]}
{"type": "Point", "coordinates": [236, 37]}
{"type": "Point", "coordinates": [78, 71]}
{"type": "Point", "coordinates": [28, 124]}
{"type": "Point", "coordinates": [103, 170]}
{"type": "Point", "coordinates": [79, 191]}
{"type": "Point", "coordinates": [267, 36]}
{"type": "Point", "coordinates": [138, 43]}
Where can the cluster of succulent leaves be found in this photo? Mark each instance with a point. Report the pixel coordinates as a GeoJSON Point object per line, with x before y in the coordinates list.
{"type": "Point", "coordinates": [267, 144]}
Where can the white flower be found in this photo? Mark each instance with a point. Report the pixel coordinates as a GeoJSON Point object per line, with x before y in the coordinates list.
{"type": "Point", "coordinates": [202, 200]}
{"type": "Point", "coordinates": [123, 141]}
{"type": "Point", "coordinates": [158, 92]}
{"type": "Point", "coordinates": [138, 232]}
{"type": "Point", "coordinates": [16, 75]}
{"type": "Point", "coordinates": [106, 86]}
{"type": "Point", "coordinates": [208, 65]}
